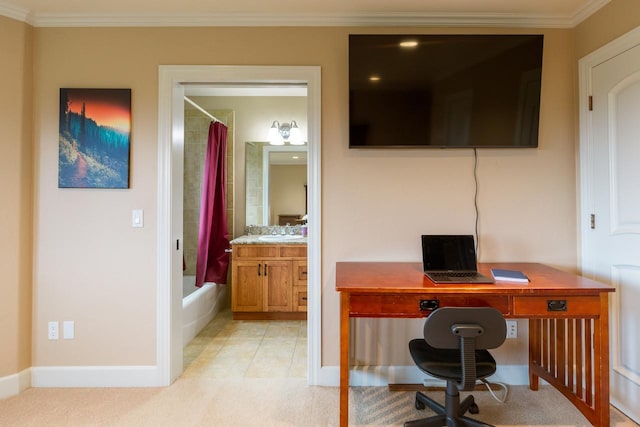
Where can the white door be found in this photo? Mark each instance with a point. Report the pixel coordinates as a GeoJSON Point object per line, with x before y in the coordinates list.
{"type": "Point", "coordinates": [612, 242]}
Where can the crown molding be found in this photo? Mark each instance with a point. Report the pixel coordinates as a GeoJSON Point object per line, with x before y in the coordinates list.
{"type": "Point", "coordinates": [17, 13]}
{"type": "Point", "coordinates": [587, 10]}
{"type": "Point", "coordinates": [404, 19]}
{"type": "Point", "coordinates": [303, 20]}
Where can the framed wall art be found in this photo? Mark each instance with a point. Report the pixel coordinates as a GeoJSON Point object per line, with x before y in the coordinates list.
{"type": "Point", "coordinates": [94, 138]}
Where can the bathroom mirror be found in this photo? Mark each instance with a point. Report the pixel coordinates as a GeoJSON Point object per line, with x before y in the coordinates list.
{"type": "Point", "coordinates": [275, 183]}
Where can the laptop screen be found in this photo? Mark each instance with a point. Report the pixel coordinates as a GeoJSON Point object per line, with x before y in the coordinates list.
{"type": "Point", "coordinates": [444, 253]}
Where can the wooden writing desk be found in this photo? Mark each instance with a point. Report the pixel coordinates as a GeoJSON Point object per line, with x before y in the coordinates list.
{"type": "Point", "coordinates": [568, 321]}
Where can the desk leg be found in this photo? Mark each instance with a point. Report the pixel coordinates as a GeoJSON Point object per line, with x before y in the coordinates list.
{"type": "Point", "coordinates": [344, 359]}
{"type": "Point", "coordinates": [534, 353]}
{"type": "Point", "coordinates": [601, 363]}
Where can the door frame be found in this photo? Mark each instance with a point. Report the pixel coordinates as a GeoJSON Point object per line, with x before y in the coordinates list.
{"type": "Point", "coordinates": [587, 205]}
{"type": "Point", "coordinates": [172, 80]}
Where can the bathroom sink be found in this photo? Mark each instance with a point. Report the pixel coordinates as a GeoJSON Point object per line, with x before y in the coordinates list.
{"type": "Point", "coordinates": [279, 237]}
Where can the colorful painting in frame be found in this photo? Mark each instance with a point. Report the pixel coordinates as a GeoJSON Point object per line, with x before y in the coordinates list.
{"type": "Point", "coordinates": [94, 138]}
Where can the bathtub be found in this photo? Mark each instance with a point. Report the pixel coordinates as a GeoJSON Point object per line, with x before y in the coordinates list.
{"type": "Point", "coordinates": [199, 307]}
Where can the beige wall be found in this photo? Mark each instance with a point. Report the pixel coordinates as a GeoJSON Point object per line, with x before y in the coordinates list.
{"type": "Point", "coordinates": [92, 267]}
{"type": "Point", "coordinates": [610, 22]}
{"type": "Point", "coordinates": [16, 183]}
{"type": "Point", "coordinates": [385, 199]}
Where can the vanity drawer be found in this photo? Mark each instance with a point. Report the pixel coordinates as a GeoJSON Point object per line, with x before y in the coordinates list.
{"type": "Point", "coordinates": [300, 298]}
{"type": "Point", "coordinates": [552, 306]}
{"type": "Point", "coordinates": [293, 251]}
{"type": "Point", "coordinates": [255, 251]}
{"type": "Point", "coordinates": [270, 251]}
{"type": "Point", "coordinates": [300, 273]}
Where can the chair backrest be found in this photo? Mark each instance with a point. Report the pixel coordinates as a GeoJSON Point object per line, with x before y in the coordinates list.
{"type": "Point", "coordinates": [439, 328]}
{"type": "Point", "coordinates": [467, 329]}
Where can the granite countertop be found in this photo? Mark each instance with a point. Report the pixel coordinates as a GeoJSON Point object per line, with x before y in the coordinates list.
{"type": "Point", "coordinates": [270, 239]}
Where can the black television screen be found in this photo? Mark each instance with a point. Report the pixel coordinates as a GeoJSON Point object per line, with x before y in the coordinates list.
{"type": "Point", "coordinates": [444, 91]}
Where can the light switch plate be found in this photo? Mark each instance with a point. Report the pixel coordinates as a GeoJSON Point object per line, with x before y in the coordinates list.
{"type": "Point", "coordinates": [68, 329]}
{"type": "Point", "coordinates": [137, 218]}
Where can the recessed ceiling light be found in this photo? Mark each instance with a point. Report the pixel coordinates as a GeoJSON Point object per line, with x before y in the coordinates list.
{"type": "Point", "coordinates": [409, 43]}
{"type": "Point", "coordinates": [295, 157]}
{"type": "Point", "coordinates": [374, 78]}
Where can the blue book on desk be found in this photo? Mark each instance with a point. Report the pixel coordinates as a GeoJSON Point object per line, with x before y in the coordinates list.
{"type": "Point", "coordinates": [509, 275]}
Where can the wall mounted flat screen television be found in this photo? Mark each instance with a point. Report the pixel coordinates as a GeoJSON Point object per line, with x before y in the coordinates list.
{"type": "Point", "coordinates": [444, 91]}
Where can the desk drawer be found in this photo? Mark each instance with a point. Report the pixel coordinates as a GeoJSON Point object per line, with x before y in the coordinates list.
{"type": "Point", "coordinates": [375, 305]}
{"type": "Point", "coordinates": [556, 306]}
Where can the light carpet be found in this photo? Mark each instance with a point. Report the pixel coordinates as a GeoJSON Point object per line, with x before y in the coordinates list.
{"type": "Point", "coordinates": [268, 402]}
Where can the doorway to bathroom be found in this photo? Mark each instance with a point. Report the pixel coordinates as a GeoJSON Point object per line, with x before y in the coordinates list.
{"type": "Point", "coordinates": [173, 82]}
{"type": "Point", "coordinates": [260, 178]}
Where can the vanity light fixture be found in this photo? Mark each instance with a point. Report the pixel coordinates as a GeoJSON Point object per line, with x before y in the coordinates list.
{"type": "Point", "coordinates": [279, 133]}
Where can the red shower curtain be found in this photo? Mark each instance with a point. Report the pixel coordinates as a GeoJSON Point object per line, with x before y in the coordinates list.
{"type": "Point", "coordinates": [212, 261]}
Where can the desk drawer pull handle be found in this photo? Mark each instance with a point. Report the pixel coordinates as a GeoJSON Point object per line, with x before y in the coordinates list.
{"type": "Point", "coordinates": [557, 305]}
{"type": "Point", "coordinates": [429, 304]}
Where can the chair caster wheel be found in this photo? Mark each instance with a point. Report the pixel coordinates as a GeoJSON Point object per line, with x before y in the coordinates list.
{"type": "Point", "coordinates": [473, 409]}
{"type": "Point", "coordinates": [419, 405]}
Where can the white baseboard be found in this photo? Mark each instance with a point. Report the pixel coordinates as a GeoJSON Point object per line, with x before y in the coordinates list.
{"type": "Point", "coordinates": [96, 376]}
{"type": "Point", "coordinates": [15, 384]}
{"type": "Point", "coordinates": [377, 376]}
{"type": "Point", "coordinates": [629, 412]}
{"type": "Point", "coordinates": [329, 376]}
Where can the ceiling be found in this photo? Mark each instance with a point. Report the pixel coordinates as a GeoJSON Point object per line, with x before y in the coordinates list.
{"type": "Point", "coordinates": [520, 13]}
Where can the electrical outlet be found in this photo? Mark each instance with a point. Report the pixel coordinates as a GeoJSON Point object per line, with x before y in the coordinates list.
{"type": "Point", "coordinates": [52, 329]}
{"type": "Point", "coordinates": [512, 329]}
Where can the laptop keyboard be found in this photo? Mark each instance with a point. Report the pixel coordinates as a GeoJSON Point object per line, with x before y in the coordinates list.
{"type": "Point", "coordinates": [455, 274]}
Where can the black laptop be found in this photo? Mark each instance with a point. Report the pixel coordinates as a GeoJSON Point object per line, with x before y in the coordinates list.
{"type": "Point", "coordinates": [451, 259]}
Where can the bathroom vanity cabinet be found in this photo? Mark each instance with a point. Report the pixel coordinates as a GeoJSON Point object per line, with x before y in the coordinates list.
{"type": "Point", "coordinates": [269, 281]}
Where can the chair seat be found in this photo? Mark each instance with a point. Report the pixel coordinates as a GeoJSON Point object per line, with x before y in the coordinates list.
{"type": "Point", "coordinates": [445, 363]}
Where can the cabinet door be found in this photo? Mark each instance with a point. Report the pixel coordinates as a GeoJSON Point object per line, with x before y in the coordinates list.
{"type": "Point", "coordinates": [246, 292]}
{"type": "Point", "coordinates": [278, 294]}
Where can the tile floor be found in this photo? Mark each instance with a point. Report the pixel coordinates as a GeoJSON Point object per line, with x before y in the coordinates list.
{"type": "Point", "coordinates": [228, 348]}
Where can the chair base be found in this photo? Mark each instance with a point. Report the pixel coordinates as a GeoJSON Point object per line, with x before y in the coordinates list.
{"type": "Point", "coordinates": [451, 414]}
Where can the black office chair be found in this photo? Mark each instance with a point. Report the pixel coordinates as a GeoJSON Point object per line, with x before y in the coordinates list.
{"type": "Point", "coordinates": [454, 349]}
